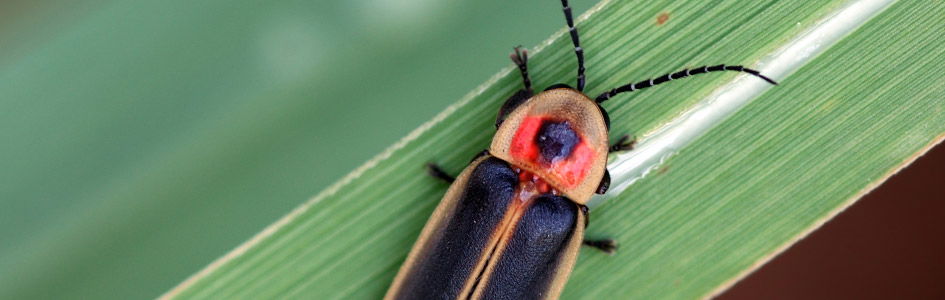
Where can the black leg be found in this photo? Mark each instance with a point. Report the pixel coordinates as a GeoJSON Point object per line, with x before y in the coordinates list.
{"type": "Point", "coordinates": [681, 74]}
{"type": "Point", "coordinates": [520, 58]}
{"type": "Point", "coordinates": [480, 154]}
{"type": "Point", "coordinates": [510, 104]}
{"type": "Point", "coordinates": [607, 245]}
{"type": "Point", "coordinates": [604, 184]}
{"type": "Point", "coordinates": [623, 144]}
{"type": "Point", "coordinates": [438, 173]}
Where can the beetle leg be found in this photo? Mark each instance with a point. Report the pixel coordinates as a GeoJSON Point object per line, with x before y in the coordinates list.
{"type": "Point", "coordinates": [438, 173]}
{"type": "Point", "coordinates": [478, 155]}
{"type": "Point", "coordinates": [520, 58]}
{"type": "Point", "coordinates": [608, 246]}
{"type": "Point", "coordinates": [604, 184]}
{"type": "Point", "coordinates": [510, 104]}
{"type": "Point", "coordinates": [623, 144]}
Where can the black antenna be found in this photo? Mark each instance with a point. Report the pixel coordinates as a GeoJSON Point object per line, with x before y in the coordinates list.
{"type": "Point", "coordinates": [577, 44]}
{"type": "Point", "coordinates": [681, 74]}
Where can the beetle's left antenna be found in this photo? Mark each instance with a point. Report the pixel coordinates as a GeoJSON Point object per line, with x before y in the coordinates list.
{"type": "Point", "coordinates": [577, 44]}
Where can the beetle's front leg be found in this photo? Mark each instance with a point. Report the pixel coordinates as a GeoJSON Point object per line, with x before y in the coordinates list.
{"type": "Point", "coordinates": [520, 57]}
{"type": "Point", "coordinates": [623, 144]}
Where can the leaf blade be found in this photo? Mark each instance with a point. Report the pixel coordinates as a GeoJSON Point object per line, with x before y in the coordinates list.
{"type": "Point", "coordinates": [312, 265]}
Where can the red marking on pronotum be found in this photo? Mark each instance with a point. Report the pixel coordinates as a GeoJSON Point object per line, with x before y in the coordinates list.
{"type": "Point", "coordinates": [570, 172]}
{"type": "Point", "coordinates": [540, 185]}
{"type": "Point", "coordinates": [523, 144]}
{"type": "Point", "coordinates": [662, 18]}
{"type": "Point", "coordinates": [573, 169]}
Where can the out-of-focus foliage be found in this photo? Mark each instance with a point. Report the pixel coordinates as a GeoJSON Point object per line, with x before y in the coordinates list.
{"type": "Point", "coordinates": [140, 140]}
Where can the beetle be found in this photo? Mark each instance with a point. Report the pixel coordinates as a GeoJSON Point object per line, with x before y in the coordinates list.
{"type": "Point", "coordinates": [511, 224]}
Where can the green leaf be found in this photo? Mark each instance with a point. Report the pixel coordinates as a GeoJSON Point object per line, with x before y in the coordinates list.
{"type": "Point", "coordinates": [717, 208]}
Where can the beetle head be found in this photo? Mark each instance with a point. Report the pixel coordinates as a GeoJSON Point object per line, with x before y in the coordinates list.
{"type": "Point", "coordinates": [560, 135]}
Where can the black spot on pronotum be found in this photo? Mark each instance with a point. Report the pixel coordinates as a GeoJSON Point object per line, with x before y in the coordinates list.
{"type": "Point", "coordinates": [556, 140]}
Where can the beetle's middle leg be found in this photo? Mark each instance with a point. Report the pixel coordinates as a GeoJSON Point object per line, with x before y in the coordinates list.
{"type": "Point", "coordinates": [608, 246]}
{"type": "Point", "coordinates": [520, 57]}
{"type": "Point", "coordinates": [437, 172]}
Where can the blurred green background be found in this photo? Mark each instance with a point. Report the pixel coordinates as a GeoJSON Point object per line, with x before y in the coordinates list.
{"type": "Point", "coordinates": [143, 139]}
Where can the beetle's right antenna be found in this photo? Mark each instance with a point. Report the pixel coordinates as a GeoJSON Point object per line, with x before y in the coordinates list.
{"type": "Point", "coordinates": [577, 44]}
{"type": "Point", "coordinates": [684, 73]}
